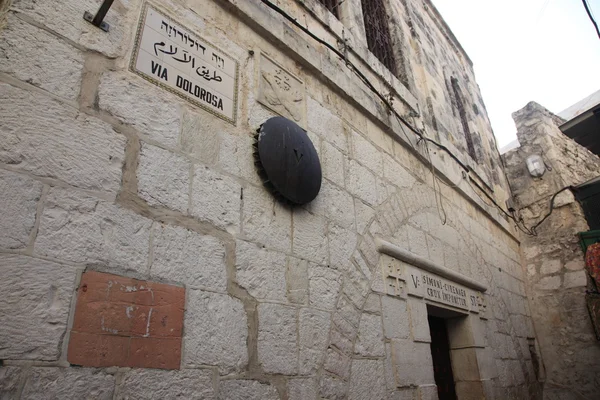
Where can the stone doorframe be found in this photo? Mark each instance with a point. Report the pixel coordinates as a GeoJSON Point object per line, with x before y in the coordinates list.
{"type": "Point", "coordinates": [455, 297]}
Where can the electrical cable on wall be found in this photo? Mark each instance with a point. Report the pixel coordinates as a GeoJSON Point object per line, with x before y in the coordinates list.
{"type": "Point", "coordinates": [403, 121]}
{"type": "Point", "coordinates": [589, 13]}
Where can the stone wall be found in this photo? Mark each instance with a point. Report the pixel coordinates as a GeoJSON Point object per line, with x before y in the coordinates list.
{"type": "Point", "coordinates": [104, 171]}
{"type": "Point", "coordinates": [555, 263]}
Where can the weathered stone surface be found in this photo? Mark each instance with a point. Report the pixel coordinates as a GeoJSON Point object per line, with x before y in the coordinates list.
{"type": "Point", "coordinates": [148, 384]}
{"type": "Point", "coordinates": [236, 157]}
{"type": "Point", "coordinates": [36, 57]}
{"type": "Point", "coordinates": [367, 380]}
{"type": "Point", "coordinates": [216, 331]}
{"type": "Point", "coordinates": [322, 122]}
{"type": "Point", "coordinates": [332, 162]}
{"type": "Point", "coordinates": [266, 221]}
{"type": "Point", "coordinates": [83, 229]}
{"type": "Point", "coordinates": [395, 316]}
{"type": "Point", "coordinates": [296, 278]}
{"type": "Point", "coordinates": [364, 215]}
{"type": "Point", "coordinates": [373, 304]}
{"type": "Point", "coordinates": [19, 197]}
{"type": "Point", "coordinates": [419, 324]}
{"type": "Point", "coordinates": [549, 283]}
{"type": "Point", "coordinates": [216, 198]}
{"type": "Point", "coordinates": [361, 182]}
{"type": "Point", "coordinates": [34, 307]}
{"type": "Point", "coordinates": [246, 390]}
{"type": "Point", "coordinates": [9, 382]}
{"type": "Point", "coordinates": [68, 383]}
{"type": "Point", "coordinates": [369, 342]}
{"type": "Point", "coordinates": [313, 334]}
{"type": "Point", "coordinates": [310, 241]}
{"type": "Point", "coordinates": [365, 153]}
{"type": "Point", "coordinates": [200, 136]}
{"type": "Point", "coordinates": [575, 279]}
{"type": "Point", "coordinates": [338, 205]}
{"type": "Point", "coordinates": [396, 174]}
{"type": "Point", "coordinates": [550, 267]}
{"type": "Point", "coordinates": [152, 111]}
{"type": "Point", "coordinates": [260, 271]}
{"type": "Point", "coordinates": [163, 178]}
{"type": "Point", "coordinates": [332, 388]}
{"type": "Point", "coordinates": [323, 286]}
{"type": "Point", "coordinates": [188, 257]}
{"type": "Point", "coordinates": [575, 265]}
{"type": "Point", "coordinates": [337, 363]}
{"type": "Point", "coordinates": [342, 243]}
{"type": "Point", "coordinates": [47, 138]}
{"type": "Point", "coordinates": [412, 363]}
{"type": "Point", "coordinates": [277, 339]}
{"type": "Point", "coordinates": [302, 389]}
{"type": "Point", "coordinates": [65, 18]}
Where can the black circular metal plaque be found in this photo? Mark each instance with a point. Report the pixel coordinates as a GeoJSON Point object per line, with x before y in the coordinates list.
{"type": "Point", "coordinates": [287, 161]}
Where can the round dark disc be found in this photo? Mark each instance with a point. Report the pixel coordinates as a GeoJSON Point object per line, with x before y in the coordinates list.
{"type": "Point", "coordinates": [288, 161]}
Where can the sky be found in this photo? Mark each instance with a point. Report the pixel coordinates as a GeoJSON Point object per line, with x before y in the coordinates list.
{"type": "Point", "coordinates": [545, 51]}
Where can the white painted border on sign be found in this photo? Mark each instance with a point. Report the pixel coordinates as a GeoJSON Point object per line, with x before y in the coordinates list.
{"type": "Point", "coordinates": [171, 56]}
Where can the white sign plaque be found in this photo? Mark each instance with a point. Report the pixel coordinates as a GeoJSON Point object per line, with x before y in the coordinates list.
{"type": "Point", "coordinates": [169, 55]}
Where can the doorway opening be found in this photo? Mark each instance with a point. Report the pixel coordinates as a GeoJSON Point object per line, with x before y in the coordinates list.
{"type": "Point", "coordinates": [440, 354]}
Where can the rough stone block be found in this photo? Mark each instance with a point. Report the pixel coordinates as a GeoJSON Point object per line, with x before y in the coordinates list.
{"type": "Point", "coordinates": [324, 285]}
{"type": "Point", "coordinates": [575, 279]}
{"type": "Point", "coordinates": [296, 278]}
{"type": "Point", "coordinates": [464, 364]}
{"type": "Point", "coordinates": [361, 182]}
{"type": "Point", "coordinates": [419, 323]}
{"type": "Point", "coordinates": [47, 138]}
{"type": "Point", "coordinates": [260, 271]}
{"type": "Point", "coordinates": [79, 228]}
{"type": "Point", "coordinates": [367, 380]}
{"type": "Point", "coordinates": [575, 265]}
{"type": "Point", "coordinates": [373, 304]}
{"type": "Point", "coordinates": [313, 335]}
{"type": "Point", "coordinates": [185, 256]}
{"type": "Point", "coordinates": [68, 383]}
{"type": "Point", "coordinates": [34, 307]}
{"type": "Point", "coordinates": [367, 154]}
{"type": "Point", "coordinates": [302, 389]}
{"type": "Point", "coordinates": [364, 215]}
{"type": "Point", "coordinates": [550, 267]}
{"type": "Point", "coordinates": [332, 388]}
{"type": "Point", "coordinates": [396, 174]}
{"type": "Point", "coordinates": [548, 283]}
{"type": "Point", "coordinates": [369, 342]}
{"type": "Point", "coordinates": [266, 221]}
{"type": "Point", "coordinates": [236, 157]}
{"type": "Point", "coordinates": [163, 178]}
{"type": "Point", "coordinates": [9, 382]}
{"type": "Point", "coordinates": [19, 197]}
{"type": "Point", "coordinates": [395, 316]}
{"type": "Point", "coordinates": [148, 384]}
{"type": "Point", "coordinates": [412, 363]}
{"type": "Point", "coordinates": [337, 363]}
{"type": "Point", "coordinates": [216, 198]}
{"type": "Point", "coordinates": [34, 56]}
{"type": "Point", "coordinates": [338, 205]}
{"type": "Point", "coordinates": [154, 112]}
{"type": "Point", "coordinates": [125, 322]}
{"type": "Point", "coordinates": [332, 161]}
{"type": "Point", "coordinates": [216, 331]}
{"type": "Point", "coordinates": [200, 136]}
{"type": "Point", "coordinates": [277, 339]}
{"type": "Point", "coordinates": [322, 122]}
{"type": "Point", "coordinates": [246, 390]}
{"type": "Point", "coordinates": [342, 243]}
{"type": "Point", "coordinates": [309, 240]}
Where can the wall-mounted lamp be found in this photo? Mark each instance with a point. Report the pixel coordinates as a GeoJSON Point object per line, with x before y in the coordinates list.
{"type": "Point", "coordinates": [536, 166]}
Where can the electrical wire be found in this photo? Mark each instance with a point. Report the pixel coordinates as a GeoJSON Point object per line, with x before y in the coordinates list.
{"type": "Point", "coordinates": [589, 13]}
{"type": "Point", "coordinates": [404, 122]}
{"type": "Point", "coordinates": [534, 228]}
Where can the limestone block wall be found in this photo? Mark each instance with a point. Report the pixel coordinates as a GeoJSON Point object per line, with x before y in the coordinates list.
{"type": "Point", "coordinates": [104, 171]}
{"type": "Point", "coordinates": [556, 278]}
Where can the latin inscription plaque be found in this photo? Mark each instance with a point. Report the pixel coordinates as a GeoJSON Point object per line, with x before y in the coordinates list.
{"type": "Point", "coordinates": [173, 57]}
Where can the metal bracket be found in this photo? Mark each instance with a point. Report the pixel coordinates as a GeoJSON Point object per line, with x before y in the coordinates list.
{"type": "Point", "coordinates": [98, 19]}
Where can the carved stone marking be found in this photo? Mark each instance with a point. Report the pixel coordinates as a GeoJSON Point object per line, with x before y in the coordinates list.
{"type": "Point", "coordinates": [281, 92]}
